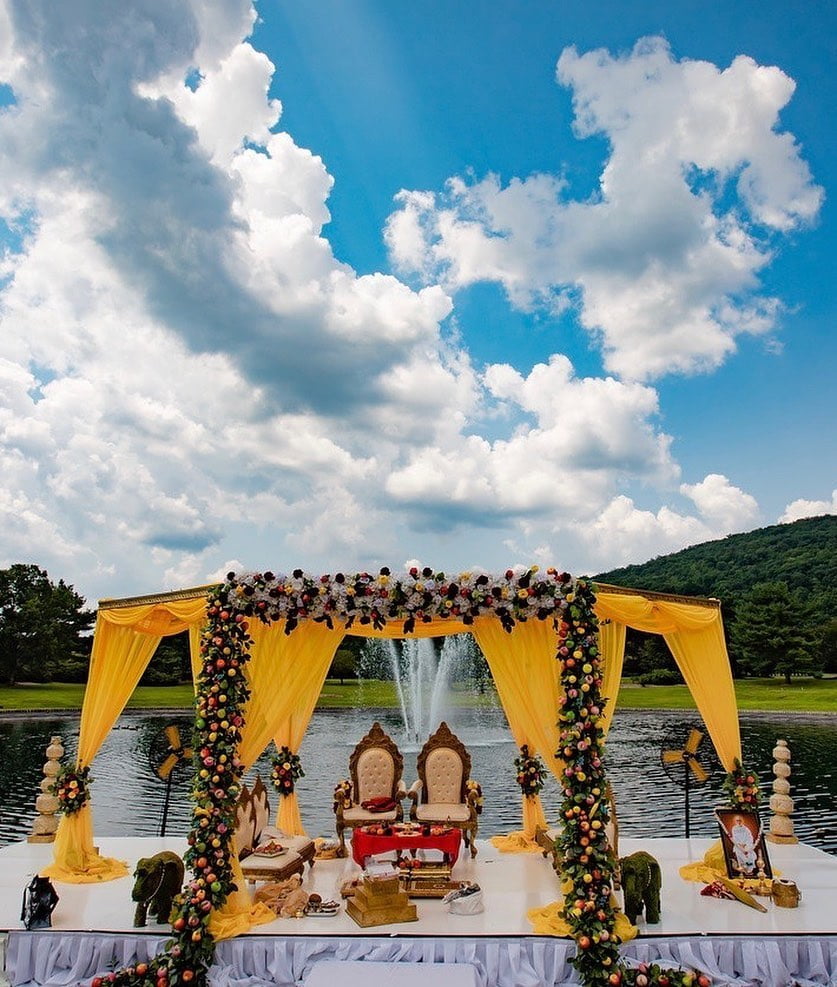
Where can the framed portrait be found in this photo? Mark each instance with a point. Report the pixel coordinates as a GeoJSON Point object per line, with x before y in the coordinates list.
{"type": "Point", "coordinates": [745, 849]}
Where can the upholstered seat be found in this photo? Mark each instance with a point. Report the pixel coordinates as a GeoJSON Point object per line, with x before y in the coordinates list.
{"type": "Point", "coordinates": [375, 769]}
{"type": "Point", "coordinates": [444, 792]}
{"type": "Point", "coordinates": [253, 829]}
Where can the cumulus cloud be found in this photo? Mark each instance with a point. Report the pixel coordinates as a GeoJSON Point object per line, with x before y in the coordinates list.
{"type": "Point", "coordinates": [662, 264]}
{"type": "Point", "coordinates": [623, 533]}
{"type": "Point", "coordinates": [189, 375]}
{"type": "Point", "coordinates": [799, 509]}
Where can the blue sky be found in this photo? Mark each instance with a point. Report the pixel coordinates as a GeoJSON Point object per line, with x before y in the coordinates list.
{"type": "Point", "coordinates": [341, 285]}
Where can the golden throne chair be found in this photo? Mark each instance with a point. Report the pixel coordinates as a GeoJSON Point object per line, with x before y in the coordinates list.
{"type": "Point", "coordinates": [444, 793]}
{"type": "Point", "coordinates": [375, 769]}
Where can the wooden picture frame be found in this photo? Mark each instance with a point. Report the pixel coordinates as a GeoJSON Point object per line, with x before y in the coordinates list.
{"type": "Point", "coordinates": [742, 838]}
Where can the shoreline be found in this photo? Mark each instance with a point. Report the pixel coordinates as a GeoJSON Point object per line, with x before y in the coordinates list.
{"type": "Point", "coordinates": [42, 713]}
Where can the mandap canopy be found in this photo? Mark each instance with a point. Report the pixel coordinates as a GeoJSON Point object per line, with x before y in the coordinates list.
{"type": "Point", "coordinates": [296, 623]}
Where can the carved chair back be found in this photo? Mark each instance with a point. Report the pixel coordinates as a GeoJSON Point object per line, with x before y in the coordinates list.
{"type": "Point", "coordinates": [444, 767]}
{"type": "Point", "coordinates": [375, 766]}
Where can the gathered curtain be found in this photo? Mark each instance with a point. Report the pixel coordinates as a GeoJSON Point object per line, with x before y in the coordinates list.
{"type": "Point", "coordinates": [526, 674]}
{"type": "Point", "coordinates": [286, 674]}
{"type": "Point", "coordinates": [612, 649]}
{"type": "Point", "coordinates": [695, 636]}
{"type": "Point", "coordinates": [124, 642]}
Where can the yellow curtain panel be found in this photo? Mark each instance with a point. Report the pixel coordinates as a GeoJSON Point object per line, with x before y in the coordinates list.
{"type": "Point", "coordinates": [694, 633]}
{"type": "Point", "coordinates": [124, 641]}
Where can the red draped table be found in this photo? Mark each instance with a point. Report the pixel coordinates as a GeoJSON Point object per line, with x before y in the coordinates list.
{"type": "Point", "coordinates": [367, 844]}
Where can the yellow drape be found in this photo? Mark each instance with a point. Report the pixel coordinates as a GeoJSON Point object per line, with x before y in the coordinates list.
{"type": "Point", "coordinates": [239, 912]}
{"type": "Point", "coordinates": [525, 672]}
{"type": "Point", "coordinates": [286, 673]}
{"type": "Point", "coordinates": [612, 648]}
{"type": "Point", "coordinates": [695, 635]}
{"type": "Point", "coordinates": [124, 641]}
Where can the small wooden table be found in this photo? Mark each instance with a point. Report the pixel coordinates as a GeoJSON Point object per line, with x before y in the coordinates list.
{"type": "Point", "coordinates": [366, 844]}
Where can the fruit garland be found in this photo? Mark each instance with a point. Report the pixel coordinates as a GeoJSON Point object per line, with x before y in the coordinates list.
{"type": "Point", "coordinates": [72, 788]}
{"type": "Point", "coordinates": [743, 789]}
{"type": "Point", "coordinates": [219, 716]}
{"type": "Point", "coordinates": [531, 772]}
{"type": "Point", "coordinates": [286, 771]}
{"type": "Point", "coordinates": [588, 860]}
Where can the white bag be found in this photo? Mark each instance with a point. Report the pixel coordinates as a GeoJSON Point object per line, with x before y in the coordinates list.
{"type": "Point", "coordinates": [465, 901]}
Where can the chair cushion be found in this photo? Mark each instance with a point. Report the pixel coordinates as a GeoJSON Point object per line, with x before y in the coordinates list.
{"type": "Point", "coordinates": [443, 811]}
{"type": "Point", "coordinates": [375, 774]}
{"type": "Point", "coordinates": [272, 868]}
{"type": "Point", "coordinates": [357, 814]}
{"type": "Point", "coordinates": [296, 843]}
{"type": "Point", "coordinates": [443, 773]}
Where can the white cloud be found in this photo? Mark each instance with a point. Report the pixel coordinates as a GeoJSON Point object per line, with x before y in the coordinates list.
{"type": "Point", "coordinates": [663, 263]}
{"type": "Point", "coordinates": [799, 509]}
{"type": "Point", "coordinates": [623, 533]}
{"type": "Point", "coordinates": [725, 507]}
{"type": "Point", "coordinates": [188, 375]}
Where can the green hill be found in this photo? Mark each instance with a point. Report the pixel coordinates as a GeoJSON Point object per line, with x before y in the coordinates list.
{"type": "Point", "coordinates": [802, 554]}
{"type": "Point", "coordinates": [747, 572]}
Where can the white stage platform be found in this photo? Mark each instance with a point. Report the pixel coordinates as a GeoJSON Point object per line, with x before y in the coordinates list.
{"type": "Point", "coordinates": [92, 926]}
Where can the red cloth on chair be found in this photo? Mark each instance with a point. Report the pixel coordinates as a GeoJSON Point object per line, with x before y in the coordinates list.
{"type": "Point", "coordinates": [381, 803]}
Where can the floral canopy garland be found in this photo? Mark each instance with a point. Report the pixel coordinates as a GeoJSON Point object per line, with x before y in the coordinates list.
{"type": "Point", "coordinates": [419, 596]}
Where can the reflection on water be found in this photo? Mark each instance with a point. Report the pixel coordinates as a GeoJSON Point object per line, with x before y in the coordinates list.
{"type": "Point", "coordinates": [128, 796]}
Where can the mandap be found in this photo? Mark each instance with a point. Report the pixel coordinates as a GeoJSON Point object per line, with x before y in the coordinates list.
{"type": "Point", "coordinates": [261, 646]}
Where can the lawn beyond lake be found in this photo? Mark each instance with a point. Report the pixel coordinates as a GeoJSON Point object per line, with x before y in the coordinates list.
{"type": "Point", "coordinates": [803, 695]}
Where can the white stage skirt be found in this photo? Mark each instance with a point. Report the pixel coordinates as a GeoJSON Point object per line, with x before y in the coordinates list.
{"type": "Point", "coordinates": [48, 959]}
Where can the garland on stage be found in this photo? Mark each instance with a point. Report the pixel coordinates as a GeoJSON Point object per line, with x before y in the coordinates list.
{"type": "Point", "coordinates": [588, 860]}
{"type": "Point", "coordinates": [742, 788]}
{"type": "Point", "coordinates": [531, 772]}
{"type": "Point", "coordinates": [72, 788]}
{"type": "Point", "coordinates": [286, 771]}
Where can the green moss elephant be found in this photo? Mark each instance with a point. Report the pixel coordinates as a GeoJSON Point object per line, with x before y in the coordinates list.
{"type": "Point", "coordinates": [158, 880]}
{"type": "Point", "coordinates": [641, 883]}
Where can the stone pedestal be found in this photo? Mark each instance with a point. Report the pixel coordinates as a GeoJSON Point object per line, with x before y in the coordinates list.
{"type": "Point", "coordinates": [46, 822]}
{"type": "Point", "coordinates": [781, 804]}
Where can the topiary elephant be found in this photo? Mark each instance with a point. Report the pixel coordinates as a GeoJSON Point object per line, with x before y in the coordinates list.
{"type": "Point", "coordinates": [158, 880]}
{"type": "Point", "coordinates": [641, 883]}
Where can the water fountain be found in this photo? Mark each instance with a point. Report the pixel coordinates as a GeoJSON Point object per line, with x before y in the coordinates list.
{"type": "Point", "coordinates": [424, 672]}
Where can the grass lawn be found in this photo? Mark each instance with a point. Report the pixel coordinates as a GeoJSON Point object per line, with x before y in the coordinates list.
{"type": "Point", "coordinates": [801, 696]}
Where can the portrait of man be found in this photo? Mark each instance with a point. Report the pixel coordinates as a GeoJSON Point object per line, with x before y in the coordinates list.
{"type": "Point", "coordinates": [745, 851]}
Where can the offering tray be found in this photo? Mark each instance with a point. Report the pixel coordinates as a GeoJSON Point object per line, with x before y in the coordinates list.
{"type": "Point", "coordinates": [423, 880]}
{"type": "Point", "coordinates": [271, 849]}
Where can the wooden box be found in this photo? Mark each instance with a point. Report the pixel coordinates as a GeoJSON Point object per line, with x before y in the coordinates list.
{"type": "Point", "coordinates": [380, 901]}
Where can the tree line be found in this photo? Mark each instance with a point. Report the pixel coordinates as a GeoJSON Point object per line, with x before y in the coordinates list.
{"type": "Point", "coordinates": [777, 586]}
{"type": "Point", "coordinates": [778, 593]}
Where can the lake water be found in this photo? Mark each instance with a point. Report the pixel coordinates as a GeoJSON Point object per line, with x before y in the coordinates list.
{"type": "Point", "coordinates": [128, 796]}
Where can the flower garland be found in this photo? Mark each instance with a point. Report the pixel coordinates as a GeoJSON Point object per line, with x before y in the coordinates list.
{"type": "Point", "coordinates": [742, 788]}
{"type": "Point", "coordinates": [474, 794]}
{"type": "Point", "coordinates": [588, 860]}
{"type": "Point", "coordinates": [72, 787]}
{"type": "Point", "coordinates": [531, 772]}
{"type": "Point", "coordinates": [418, 596]}
{"type": "Point", "coordinates": [219, 716]}
{"type": "Point", "coordinates": [286, 772]}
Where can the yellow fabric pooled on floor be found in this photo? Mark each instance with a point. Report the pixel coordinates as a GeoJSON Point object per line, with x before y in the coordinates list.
{"type": "Point", "coordinates": [239, 913]}
{"type": "Point", "coordinates": [516, 842]}
{"type": "Point", "coordinates": [547, 921]}
{"type": "Point", "coordinates": [712, 867]}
